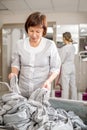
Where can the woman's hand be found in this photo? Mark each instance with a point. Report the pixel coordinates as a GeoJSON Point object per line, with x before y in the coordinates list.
{"type": "Point", "coordinates": [14, 71]}
{"type": "Point", "coordinates": [47, 84]}
{"type": "Point", "coordinates": [11, 75]}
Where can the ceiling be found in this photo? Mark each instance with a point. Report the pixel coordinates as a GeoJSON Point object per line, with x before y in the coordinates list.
{"type": "Point", "coordinates": [46, 6]}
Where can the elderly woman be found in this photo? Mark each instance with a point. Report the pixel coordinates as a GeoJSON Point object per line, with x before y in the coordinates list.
{"type": "Point", "coordinates": [35, 59]}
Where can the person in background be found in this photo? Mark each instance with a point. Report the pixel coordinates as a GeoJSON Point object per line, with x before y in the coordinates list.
{"type": "Point", "coordinates": [35, 60]}
{"type": "Point", "coordinates": [68, 80]}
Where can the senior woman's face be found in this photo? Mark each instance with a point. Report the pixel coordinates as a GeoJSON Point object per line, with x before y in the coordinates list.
{"type": "Point", "coordinates": [35, 33]}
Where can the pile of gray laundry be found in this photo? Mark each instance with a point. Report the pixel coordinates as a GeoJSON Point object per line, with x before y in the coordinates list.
{"type": "Point", "coordinates": [35, 113]}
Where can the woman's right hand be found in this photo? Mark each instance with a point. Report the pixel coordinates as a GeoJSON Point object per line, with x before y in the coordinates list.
{"type": "Point", "coordinates": [11, 75]}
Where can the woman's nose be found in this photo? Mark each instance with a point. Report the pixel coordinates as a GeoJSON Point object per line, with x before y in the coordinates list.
{"type": "Point", "coordinates": [34, 34]}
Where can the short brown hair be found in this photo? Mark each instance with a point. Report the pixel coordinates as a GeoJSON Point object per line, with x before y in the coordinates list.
{"type": "Point", "coordinates": [36, 19]}
{"type": "Point", "coordinates": [67, 36]}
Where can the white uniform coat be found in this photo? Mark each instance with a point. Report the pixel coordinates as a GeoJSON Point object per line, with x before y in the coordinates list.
{"type": "Point", "coordinates": [67, 54]}
{"type": "Point", "coordinates": [35, 64]}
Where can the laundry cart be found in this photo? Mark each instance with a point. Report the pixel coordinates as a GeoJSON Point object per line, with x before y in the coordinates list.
{"type": "Point", "coordinates": [4, 88]}
{"type": "Point", "coordinates": [79, 107]}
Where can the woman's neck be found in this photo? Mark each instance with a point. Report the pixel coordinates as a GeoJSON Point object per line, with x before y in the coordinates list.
{"type": "Point", "coordinates": [66, 42]}
{"type": "Point", "coordinates": [34, 44]}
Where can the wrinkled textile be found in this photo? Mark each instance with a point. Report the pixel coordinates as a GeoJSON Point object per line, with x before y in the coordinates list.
{"type": "Point", "coordinates": [35, 114]}
{"type": "Point", "coordinates": [14, 84]}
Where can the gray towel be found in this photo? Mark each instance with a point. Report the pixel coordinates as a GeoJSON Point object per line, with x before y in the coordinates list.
{"type": "Point", "coordinates": [14, 84]}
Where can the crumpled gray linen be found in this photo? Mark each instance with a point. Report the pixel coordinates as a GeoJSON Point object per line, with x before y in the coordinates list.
{"type": "Point", "coordinates": [57, 126]}
{"type": "Point", "coordinates": [14, 84]}
{"type": "Point", "coordinates": [34, 113]}
{"type": "Point", "coordinates": [41, 95]}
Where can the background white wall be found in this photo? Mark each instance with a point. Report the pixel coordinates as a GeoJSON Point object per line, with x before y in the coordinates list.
{"type": "Point", "coordinates": [60, 18]}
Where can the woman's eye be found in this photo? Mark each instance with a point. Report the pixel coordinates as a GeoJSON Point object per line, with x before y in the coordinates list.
{"type": "Point", "coordinates": [38, 32]}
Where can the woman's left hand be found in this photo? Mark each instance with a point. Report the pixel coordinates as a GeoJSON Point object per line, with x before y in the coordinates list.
{"type": "Point", "coordinates": [46, 84]}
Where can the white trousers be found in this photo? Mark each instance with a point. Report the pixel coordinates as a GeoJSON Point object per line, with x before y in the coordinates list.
{"type": "Point", "coordinates": [69, 88]}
